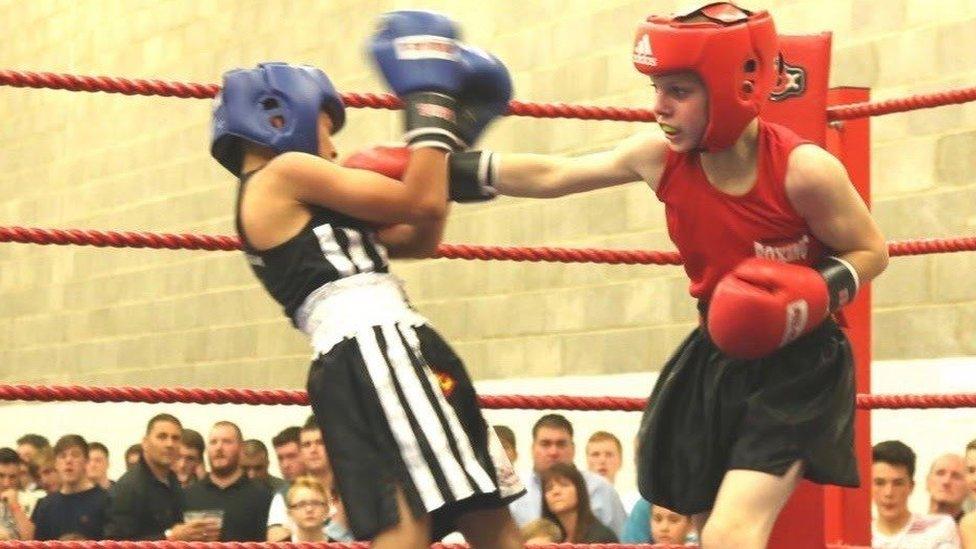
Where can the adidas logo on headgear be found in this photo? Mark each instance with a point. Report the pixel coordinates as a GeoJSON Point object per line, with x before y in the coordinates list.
{"type": "Point", "coordinates": [643, 54]}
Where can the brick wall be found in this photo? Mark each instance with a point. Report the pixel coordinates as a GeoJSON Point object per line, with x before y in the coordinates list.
{"type": "Point", "coordinates": [84, 315]}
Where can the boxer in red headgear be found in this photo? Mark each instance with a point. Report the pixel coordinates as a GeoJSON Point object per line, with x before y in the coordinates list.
{"type": "Point", "coordinates": [774, 239]}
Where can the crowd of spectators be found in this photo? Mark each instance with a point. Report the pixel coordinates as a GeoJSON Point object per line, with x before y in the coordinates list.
{"type": "Point", "coordinates": [951, 485]}
{"type": "Point", "coordinates": [177, 486]}
{"type": "Point", "coordinates": [181, 486]}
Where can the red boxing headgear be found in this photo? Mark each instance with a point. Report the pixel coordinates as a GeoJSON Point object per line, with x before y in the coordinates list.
{"type": "Point", "coordinates": [734, 51]}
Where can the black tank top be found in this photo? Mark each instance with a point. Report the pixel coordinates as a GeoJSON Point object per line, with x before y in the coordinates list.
{"type": "Point", "coordinates": [329, 247]}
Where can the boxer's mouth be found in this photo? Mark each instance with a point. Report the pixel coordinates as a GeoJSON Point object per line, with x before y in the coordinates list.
{"type": "Point", "coordinates": [668, 129]}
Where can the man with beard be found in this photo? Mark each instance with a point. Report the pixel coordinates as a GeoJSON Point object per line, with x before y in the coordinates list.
{"type": "Point", "coordinates": [227, 490]}
{"type": "Point", "coordinates": [147, 501]}
{"type": "Point", "coordinates": [79, 506]}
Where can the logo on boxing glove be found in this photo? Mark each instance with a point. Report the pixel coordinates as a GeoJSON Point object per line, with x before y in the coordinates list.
{"type": "Point", "coordinates": [797, 314]}
{"type": "Point", "coordinates": [436, 111]}
{"type": "Point", "coordinates": [412, 48]}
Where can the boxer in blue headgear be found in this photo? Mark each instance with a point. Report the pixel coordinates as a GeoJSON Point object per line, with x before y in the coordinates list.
{"type": "Point", "coordinates": [275, 105]}
{"type": "Point", "coordinates": [399, 416]}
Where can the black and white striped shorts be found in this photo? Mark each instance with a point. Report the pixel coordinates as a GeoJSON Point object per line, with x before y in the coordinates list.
{"type": "Point", "coordinates": [397, 408]}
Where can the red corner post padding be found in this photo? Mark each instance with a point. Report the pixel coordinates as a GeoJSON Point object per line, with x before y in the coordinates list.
{"type": "Point", "coordinates": [849, 511]}
{"type": "Point", "coordinates": [800, 103]}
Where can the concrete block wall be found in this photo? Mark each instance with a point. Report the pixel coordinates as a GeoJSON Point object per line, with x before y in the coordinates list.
{"type": "Point", "coordinates": [95, 316]}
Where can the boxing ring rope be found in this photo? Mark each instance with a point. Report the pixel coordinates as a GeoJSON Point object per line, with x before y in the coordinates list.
{"type": "Point", "coordinates": [109, 544]}
{"type": "Point", "coordinates": [138, 86]}
{"type": "Point", "coordinates": [141, 86]}
{"type": "Point", "coordinates": [262, 397]}
{"type": "Point", "coordinates": [169, 241]}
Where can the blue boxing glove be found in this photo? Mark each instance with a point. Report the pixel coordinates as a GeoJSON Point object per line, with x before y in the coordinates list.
{"type": "Point", "coordinates": [487, 91]}
{"type": "Point", "coordinates": [417, 53]}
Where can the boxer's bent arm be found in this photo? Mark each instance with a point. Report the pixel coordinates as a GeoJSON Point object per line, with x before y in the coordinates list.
{"type": "Point", "coordinates": [819, 189]}
{"type": "Point", "coordinates": [418, 241]}
{"type": "Point", "coordinates": [365, 195]}
{"type": "Point", "coordinates": [640, 157]}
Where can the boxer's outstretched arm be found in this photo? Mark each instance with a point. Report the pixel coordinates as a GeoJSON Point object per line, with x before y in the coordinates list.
{"type": "Point", "coordinates": [638, 158]}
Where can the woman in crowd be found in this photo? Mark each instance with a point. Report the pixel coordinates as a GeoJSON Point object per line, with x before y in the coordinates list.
{"type": "Point", "coordinates": [567, 503]}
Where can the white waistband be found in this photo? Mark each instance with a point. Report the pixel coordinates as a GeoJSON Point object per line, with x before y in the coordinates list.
{"type": "Point", "coordinates": [340, 309]}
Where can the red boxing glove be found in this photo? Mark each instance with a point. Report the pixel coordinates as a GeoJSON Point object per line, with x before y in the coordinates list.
{"type": "Point", "coordinates": [390, 161]}
{"type": "Point", "coordinates": [763, 304]}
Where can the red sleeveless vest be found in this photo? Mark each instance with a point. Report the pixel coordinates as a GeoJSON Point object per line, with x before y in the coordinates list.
{"type": "Point", "coordinates": [714, 231]}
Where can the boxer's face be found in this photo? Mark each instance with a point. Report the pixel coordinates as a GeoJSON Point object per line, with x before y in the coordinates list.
{"type": "Point", "coordinates": [681, 109]}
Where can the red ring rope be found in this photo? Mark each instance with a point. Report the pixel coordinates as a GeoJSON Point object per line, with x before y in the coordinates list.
{"type": "Point", "coordinates": [139, 86]}
{"type": "Point", "coordinates": [129, 239]}
{"type": "Point", "coordinates": [108, 544]}
{"type": "Point", "coordinates": [192, 395]}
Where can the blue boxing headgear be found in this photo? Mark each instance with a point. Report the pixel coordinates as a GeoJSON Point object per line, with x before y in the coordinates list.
{"type": "Point", "coordinates": [251, 100]}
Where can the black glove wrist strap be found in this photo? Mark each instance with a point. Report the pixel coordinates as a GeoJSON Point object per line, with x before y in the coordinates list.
{"type": "Point", "coordinates": [842, 280]}
{"type": "Point", "coordinates": [471, 175]}
{"type": "Point", "coordinates": [430, 120]}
